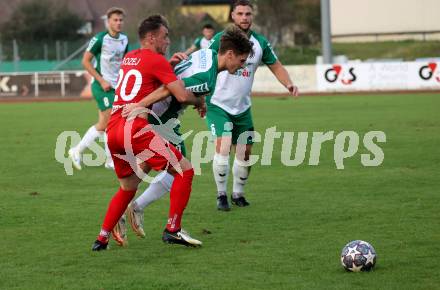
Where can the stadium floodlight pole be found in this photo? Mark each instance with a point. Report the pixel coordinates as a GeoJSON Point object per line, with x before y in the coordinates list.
{"type": "Point", "coordinates": [15, 54]}
{"type": "Point", "coordinates": [326, 37]}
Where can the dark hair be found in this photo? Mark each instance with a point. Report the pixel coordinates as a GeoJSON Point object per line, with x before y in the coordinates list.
{"type": "Point", "coordinates": [151, 24]}
{"type": "Point", "coordinates": [236, 40]}
{"type": "Point", "coordinates": [242, 3]}
{"type": "Point", "coordinates": [114, 10]}
{"type": "Point", "coordinates": [208, 26]}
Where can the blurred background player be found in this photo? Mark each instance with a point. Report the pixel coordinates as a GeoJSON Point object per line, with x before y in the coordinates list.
{"type": "Point", "coordinates": [108, 49]}
{"type": "Point", "coordinates": [202, 41]}
{"type": "Point", "coordinates": [142, 72]}
{"type": "Point", "coordinates": [229, 108]}
{"type": "Point", "coordinates": [199, 74]}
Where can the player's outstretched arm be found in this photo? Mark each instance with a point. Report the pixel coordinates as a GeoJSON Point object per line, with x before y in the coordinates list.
{"type": "Point", "coordinates": [191, 50]}
{"type": "Point", "coordinates": [156, 96]}
{"type": "Point", "coordinates": [177, 58]}
{"type": "Point", "coordinates": [183, 95]}
{"type": "Point", "coordinates": [283, 77]}
{"type": "Point", "coordinates": [161, 93]}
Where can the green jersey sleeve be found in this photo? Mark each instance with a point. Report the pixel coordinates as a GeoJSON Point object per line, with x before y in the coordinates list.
{"type": "Point", "coordinates": [95, 44]}
{"type": "Point", "coordinates": [199, 72]}
{"type": "Point", "coordinates": [197, 42]}
{"type": "Point", "coordinates": [269, 56]}
{"type": "Point", "coordinates": [198, 84]}
{"type": "Point", "coordinates": [215, 42]}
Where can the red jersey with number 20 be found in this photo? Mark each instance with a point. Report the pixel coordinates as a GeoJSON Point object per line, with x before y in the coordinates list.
{"type": "Point", "coordinates": [142, 72]}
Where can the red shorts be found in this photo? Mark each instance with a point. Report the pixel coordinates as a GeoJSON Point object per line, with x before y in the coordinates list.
{"type": "Point", "coordinates": [134, 142]}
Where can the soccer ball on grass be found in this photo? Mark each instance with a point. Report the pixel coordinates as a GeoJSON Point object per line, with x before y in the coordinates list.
{"type": "Point", "coordinates": [358, 256]}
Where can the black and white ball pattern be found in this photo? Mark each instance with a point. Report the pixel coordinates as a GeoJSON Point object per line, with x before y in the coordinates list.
{"type": "Point", "coordinates": [358, 256]}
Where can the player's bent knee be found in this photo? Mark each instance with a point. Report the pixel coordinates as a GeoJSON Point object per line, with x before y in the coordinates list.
{"type": "Point", "coordinates": [100, 126]}
{"type": "Point", "coordinates": [129, 183]}
{"type": "Point", "coordinates": [241, 163]}
{"type": "Point", "coordinates": [223, 145]}
{"type": "Point", "coordinates": [145, 167]}
{"type": "Point", "coordinates": [185, 164]}
{"type": "Point", "coordinates": [248, 152]}
{"type": "Point", "coordinates": [104, 117]}
{"type": "Point", "coordinates": [243, 152]}
{"type": "Point", "coordinates": [128, 187]}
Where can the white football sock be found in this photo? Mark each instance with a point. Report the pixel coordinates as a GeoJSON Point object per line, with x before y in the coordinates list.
{"type": "Point", "coordinates": [88, 138]}
{"type": "Point", "coordinates": [160, 185]}
{"type": "Point", "coordinates": [240, 171]}
{"type": "Point", "coordinates": [220, 168]}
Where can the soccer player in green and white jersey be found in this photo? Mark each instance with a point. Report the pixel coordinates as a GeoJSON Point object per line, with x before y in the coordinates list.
{"type": "Point", "coordinates": [229, 108]}
{"type": "Point", "coordinates": [108, 49]}
{"type": "Point", "coordinates": [199, 74]}
{"type": "Point", "coordinates": [202, 41]}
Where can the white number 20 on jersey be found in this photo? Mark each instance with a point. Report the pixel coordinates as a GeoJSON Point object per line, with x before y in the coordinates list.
{"type": "Point", "coordinates": [123, 80]}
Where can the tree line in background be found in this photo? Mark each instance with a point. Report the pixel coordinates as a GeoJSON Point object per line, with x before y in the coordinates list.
{"type": "Point", "coordinates": [49, 20]}
{"type": "Point", "coordinates": [42, 20]}
{"type": "Point", "coordinates": [290, 22]}
{"type": "Point", "coordinates": [48, 29]}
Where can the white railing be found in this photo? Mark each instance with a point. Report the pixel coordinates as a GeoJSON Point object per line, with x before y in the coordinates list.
{"type": "Point", "coordinates": [45, 84]}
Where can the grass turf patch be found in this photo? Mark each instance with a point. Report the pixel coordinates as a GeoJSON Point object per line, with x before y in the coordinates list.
{"type": "Point", "coordinates": [289, 238]}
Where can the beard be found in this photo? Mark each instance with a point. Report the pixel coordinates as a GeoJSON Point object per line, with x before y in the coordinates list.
{"type": "Point", "coordinates": [245, 26]}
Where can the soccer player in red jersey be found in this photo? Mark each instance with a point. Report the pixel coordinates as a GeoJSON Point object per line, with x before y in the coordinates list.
{"type": "Point", "coordinates": [129, 140]}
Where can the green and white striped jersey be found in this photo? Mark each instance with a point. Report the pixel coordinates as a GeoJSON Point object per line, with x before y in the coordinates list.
{"type": "Point", "coordinates": [199, 73]}
{"type": "Point", "coordinates": [109, 52]}
{"type": "Point", "coordinates": [233, 92]}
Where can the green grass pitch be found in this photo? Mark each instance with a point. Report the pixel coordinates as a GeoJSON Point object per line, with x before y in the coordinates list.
{"type": "Point", "coordinates": [289, 238]}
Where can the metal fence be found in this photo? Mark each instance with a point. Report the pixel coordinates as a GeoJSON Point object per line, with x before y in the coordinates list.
{"type": "Point", "coordinates": [57, 50]}
{"type": "Point", "coordinates": [17, 56]}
